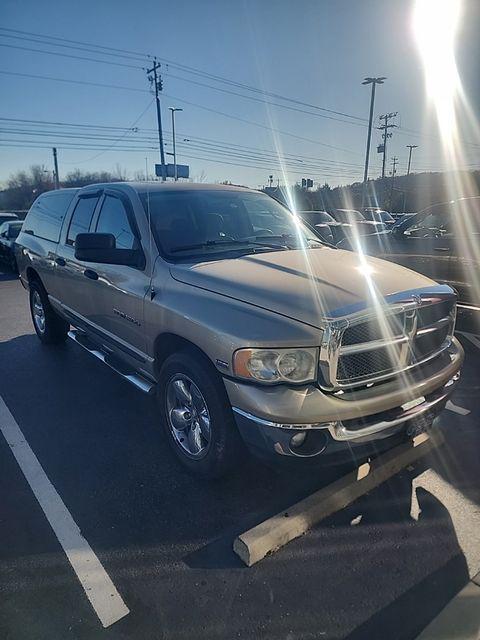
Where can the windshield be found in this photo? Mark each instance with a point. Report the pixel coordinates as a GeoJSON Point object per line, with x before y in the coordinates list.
{"type": "Point", "coordinates": [386, 217]}
{"type": "Point", "coordinates": [348, 215]}
{"type": "Point", "coordinates": [316, 217]}
{"type": "Point", "coordinates": [211, 222]}
{"type": "Point", "coordinates": [378, 216]}
{"type": "Point", "coordinates": [462, 216]}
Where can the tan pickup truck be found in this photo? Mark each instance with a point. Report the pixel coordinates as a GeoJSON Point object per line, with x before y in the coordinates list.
{"type": "Point", "coordinates": [244, 324]}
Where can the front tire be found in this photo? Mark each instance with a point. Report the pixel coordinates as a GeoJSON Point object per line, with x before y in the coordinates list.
{"type": "Point", "coordinates": [49, 327]}
{"type": "Point", "coordinates": [196, 415]}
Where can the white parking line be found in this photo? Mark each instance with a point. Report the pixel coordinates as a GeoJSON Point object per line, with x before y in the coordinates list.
{"type": "Point", "coordinates": [99, 588]}
{"type": "Point", "coordinates": [457, 409]}
{"type": "Point", "coordinates": [464, 514]}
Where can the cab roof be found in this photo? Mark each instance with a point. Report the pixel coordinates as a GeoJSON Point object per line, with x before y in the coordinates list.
{"type": "Point", "coordinates": [156, 186]}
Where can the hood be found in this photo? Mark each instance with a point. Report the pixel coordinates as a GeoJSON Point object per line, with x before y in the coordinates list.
{"type": "Point", "coordinates": [304, 285]}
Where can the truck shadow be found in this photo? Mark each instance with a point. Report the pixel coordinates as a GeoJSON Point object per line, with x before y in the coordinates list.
{"type": "Point", "coordinates": [6, 276]}
{"type": "Point", "coordinates": [415, 607]}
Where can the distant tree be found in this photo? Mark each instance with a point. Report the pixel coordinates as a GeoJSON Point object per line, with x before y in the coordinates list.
{"type": "Point", "coordinates": [201, 177]}
{"type": "Point", "coordinates": [79, 178]}
{"type": "Point", "coordinates": [24, 186]}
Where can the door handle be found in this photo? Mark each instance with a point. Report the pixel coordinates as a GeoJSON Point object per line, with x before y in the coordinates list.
{"type": "Point", "coordinates": [90, 273]}
{"type": "Point", "coordinates": [60, 261]}
{"type": "Point", "coordinates": [444, 249]}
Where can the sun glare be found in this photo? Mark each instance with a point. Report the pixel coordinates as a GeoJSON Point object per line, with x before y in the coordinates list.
{"type": "Point", "coordinates": [435, 24]}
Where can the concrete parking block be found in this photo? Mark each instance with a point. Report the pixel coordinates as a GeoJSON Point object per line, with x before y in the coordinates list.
{"type": "Point", "coordinates": [272, 534]}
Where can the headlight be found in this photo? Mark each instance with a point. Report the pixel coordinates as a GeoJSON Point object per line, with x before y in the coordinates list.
{"type": "Point", "coordinates": [276, 365]}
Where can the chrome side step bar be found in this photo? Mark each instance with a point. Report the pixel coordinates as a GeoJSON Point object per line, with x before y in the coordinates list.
{"type": "Point", "coordinates": [138, 381]}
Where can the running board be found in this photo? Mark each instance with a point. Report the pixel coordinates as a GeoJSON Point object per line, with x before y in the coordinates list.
{"type": "Point", "coordinates": [133, 377]}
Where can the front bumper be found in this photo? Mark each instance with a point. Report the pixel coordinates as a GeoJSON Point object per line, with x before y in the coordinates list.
{"type": "Point", "coordinates": [371, 420]}
{"type": "Point", "coordinates": [343, 440]}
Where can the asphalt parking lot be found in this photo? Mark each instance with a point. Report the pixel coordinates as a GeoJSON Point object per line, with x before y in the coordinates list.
{"type": "Point", "coordinates": [382, 568]}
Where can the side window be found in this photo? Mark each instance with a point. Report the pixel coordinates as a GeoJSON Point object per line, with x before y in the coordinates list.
{"type": "Point", "coordinates": [81, 218]}
{"type": "Point", "coordinates": [113, 219]}
{"type": "Point", "coordinates": [45, 218]}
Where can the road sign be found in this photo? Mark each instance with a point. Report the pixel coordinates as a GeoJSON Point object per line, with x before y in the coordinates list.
{"type": "Point", "coordinates": [183, 170]}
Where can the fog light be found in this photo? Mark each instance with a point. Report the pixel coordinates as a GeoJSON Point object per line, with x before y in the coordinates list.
{"type": "Point", "coordinates": [298, 439]}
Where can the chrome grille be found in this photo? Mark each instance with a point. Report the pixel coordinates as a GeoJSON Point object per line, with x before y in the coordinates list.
{"type": "Point", "coordinates": [358, 365]}
{"type": "Point", "coordinates": [366, 347]}
{"type": "Point", "coordinates": [374, 329]}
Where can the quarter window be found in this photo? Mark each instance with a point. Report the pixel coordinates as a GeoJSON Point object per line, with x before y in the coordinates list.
{"type": "Point", "coordinates": [45, 218]}
{"type": "Point", "coordinates": [113, 219]}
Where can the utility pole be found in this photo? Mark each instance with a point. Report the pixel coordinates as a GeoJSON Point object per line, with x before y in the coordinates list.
{"type": "Point", "coordinates": [385, 135]}
{"type": "Point", "coordinates": [157, 84]}
{"type": "Point", "coordinates": [55, 173]}
{"type": "Point", "coordinates": [373, 82]}
{"type": "Point", "coordinates": [394, 171]}
{"type": "Point", "coordinates": [411, 147]}
{"type": "Point", "coordinates": [173, 109]}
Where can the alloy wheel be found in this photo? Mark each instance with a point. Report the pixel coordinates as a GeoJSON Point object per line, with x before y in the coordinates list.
{"type": "Point", "coordinates": [188, 416]}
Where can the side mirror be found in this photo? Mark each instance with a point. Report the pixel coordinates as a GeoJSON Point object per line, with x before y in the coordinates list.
{"type": "Point", "coordinates": [101, 248]}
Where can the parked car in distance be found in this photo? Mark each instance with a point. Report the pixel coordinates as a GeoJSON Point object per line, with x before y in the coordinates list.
{"type": "Point", "coordinates": [271, 338]}
{"type": "Point", "coordinates": [352, 223]}
{"type": "Point", "coordinates": [441, 242]}
{"type": "Point", "coordinates": [7, 217]}
{"type": "Point", "coordinates": [8, 232]}
{"type": "Point", "coordinates": [322, 222]}
{"type": "Point", "coordinates": [378, 215]}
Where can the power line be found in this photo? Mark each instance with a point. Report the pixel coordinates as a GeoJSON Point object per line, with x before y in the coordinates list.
{"type": "Point", "coordinates": [70, 81]}
{"type": "Point", "coordinates": [129, 130]}
{"type": "Point", "coordinates": [96, 128]}
{"type": "Point", "coordinates": [216, 148]}
{"type": "Point", "coordinates": [70, 55]}
{"type": "Point", "coordinates": [89, 47]}
{"type": "Point", "coordinates": [195, 82]}
{"type": "Point", "coordinates": [190, 103]}
{"type": "Point", "coordinates": [324, 173]}
{"type": "Point", "coordinates": [138, 56]}
{"type": "Point", "coordinates": [187, 149]}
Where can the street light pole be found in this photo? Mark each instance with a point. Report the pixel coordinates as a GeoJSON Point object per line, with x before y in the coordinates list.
{"type": "Point", "coordinates": [373, 82]}
{"type": "Point", "coordinates": [410, 147]}
{"type": "Point", "coordinates": [173, 109]}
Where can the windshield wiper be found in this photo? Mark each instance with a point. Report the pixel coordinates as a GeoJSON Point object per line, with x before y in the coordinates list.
{"type": "Point", "coordinates": [293, 236]}
{"type": "Point", "coordinates": [226, 243]}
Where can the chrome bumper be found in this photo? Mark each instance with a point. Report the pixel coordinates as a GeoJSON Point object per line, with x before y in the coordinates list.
{"type": "Point", "coordinates": [341, 431]}
{"type": "Point", "coordinates": [349, 430]}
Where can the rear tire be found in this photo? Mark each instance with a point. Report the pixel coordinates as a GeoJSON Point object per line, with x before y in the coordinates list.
{"type": "Point", "coordinates": [197, 417]}
{"type": "Point", "coordinates": [49, 327]}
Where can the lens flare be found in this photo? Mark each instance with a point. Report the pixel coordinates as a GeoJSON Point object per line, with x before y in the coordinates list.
{"type": "Point", "coordinates": [435, 25]}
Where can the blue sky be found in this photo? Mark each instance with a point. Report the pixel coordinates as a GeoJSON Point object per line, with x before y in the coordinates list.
{"type": "Point", "coordinates": [316, 52]}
